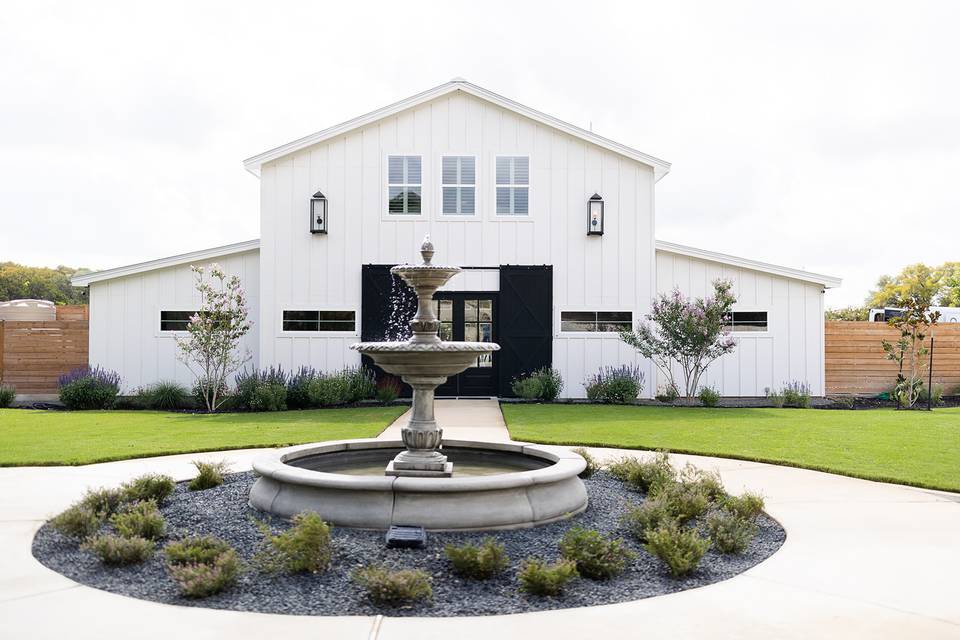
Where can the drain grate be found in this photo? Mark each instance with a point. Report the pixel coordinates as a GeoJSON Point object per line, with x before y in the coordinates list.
{"type": "Point", "coordinates": [399, 537]}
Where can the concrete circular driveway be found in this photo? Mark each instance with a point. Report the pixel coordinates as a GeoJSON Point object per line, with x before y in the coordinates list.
{"type": "Point", "coordinates": [862, 560]}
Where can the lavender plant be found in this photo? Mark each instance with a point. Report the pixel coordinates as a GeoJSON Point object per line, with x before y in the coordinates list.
{"type": "Point", "coordinates": [86, 388]}
{"type": "Point", "coordinates": [211, 348]}
{"type": "Point", "coordinates": [618, 385]}
{"type": "Point", "coordinates": [688, 333]}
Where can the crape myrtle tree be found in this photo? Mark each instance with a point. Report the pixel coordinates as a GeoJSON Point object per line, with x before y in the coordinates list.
{"type": "Point", "coordinates": [910, 351]}
{"type": "Point", "coordinates": [211, 346]}
{"type": "Point", "coordinates": [688, 333]}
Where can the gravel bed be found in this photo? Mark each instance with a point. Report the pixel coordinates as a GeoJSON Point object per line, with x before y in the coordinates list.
{"type": "Point", "coordinates": [223, 512]}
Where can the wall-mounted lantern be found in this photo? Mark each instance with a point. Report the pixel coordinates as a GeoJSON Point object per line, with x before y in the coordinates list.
{"type": "Point", "coordinates": [595, 215]}
{"type": "Point", "coordinates": [318, 213]}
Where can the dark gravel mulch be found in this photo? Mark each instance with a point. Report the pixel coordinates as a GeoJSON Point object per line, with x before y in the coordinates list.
{"type": "Point", "coordinates": [223, 512]}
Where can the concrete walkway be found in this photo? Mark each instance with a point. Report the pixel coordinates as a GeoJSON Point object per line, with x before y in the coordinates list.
{"type": "Point", "coordinates": [461, 420]}
{"type": "Point", "coordinates": [861, 560]}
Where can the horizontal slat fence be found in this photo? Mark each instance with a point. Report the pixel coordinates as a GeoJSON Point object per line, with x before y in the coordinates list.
{"type": "Point", "coordinates": [856, 363]}
{"type": "Point", "coordinates": [34, 354]}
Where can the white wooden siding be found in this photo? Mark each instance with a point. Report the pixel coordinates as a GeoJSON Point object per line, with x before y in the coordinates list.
{"type": "Point", "coordinates": [125, 320]}
{"type": "Point", "coordinates": [791, 349]}
{"type": "Point", "coordinates": [300, 270]}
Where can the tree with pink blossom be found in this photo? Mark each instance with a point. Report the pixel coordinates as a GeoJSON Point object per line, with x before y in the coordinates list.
{"type": "Point", "coordinates": [211, 346]}
{"type": "Point", "coordinates": [685, 334]}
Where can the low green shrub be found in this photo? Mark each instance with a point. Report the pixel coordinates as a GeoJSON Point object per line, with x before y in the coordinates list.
{"type": "Point", "coordinates": [119, 550]}
{"type": "Point", "coordinates": [384, 586]}
{"type": "Point", "coordinates": [209, 475]}
{"type": "Point", "coordinates": [685, 500]}
{"type": "Point", "coordinates": [709, 397]}
{"type": "Point", "coordinates": [298, 387]}
{"type": "Point", "coordinates": [775, 397]}
{"type": "Point", "coordinates": [102, 501]}
{"type": "Point", "coordinates": [305, 546]}
{"type": "Point", "coordinates": [78, 521]}
{"type": "Point", "coordinates": [596, 556]}
{"type": "Point", "coordinates": [617, 385]}
{"type": "Point", "coordinates": [796, 394]}
{"type": "Point", "coordinates": [269, 397]}
{"type": "Point", "coordinates": [151, 486]}
{"type": "Point", "coordinates": [747, 505]}
{"type": "Point", "coordinates": [202, 566]}
{"type": "Point", "coordinates": [196, 550]}
{"type": "Point", "coordinates": [87, 388]}
{"type": "Point", "coordinates": [479, 562]}
{"type": "Point", "coordinates": [7, 394]}
{"type": "Point", "coordinates": [140, 520]}
{"type": "Point", "coordinates": [388, 389]}
{"type": "Point", "coordinates": [528, 388]}
{"type": "Point", "coordinates": [843, 402]}
{"type": "Point", "coordinates": [680, 548]}
{"type": "Point", "coordinates": [541, 579]}
{"type": "Point", "coordinates": [644, 476]}
{"type": "Point", "coordinates": [935, 400]}
{"type": "Point", "coordinates": [667, 394]}
{"type": "Point", "coordinates": [261, 390]}
{"type": "Point", "coordinates": [730, 533]}
{"type": "Point", "coordinates": [647, 516]}
{"type": "Point", "coordinates": [329, 391]}
{"type": "Point", "coordinates": [163, 396]}
{"type": "Point", "coordinates": [592, 465]}
{"type": "Point", "coordinates": [708, 482]}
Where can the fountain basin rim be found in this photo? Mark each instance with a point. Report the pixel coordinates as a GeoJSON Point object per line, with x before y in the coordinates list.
{"type": "Point", "coordinates": [425, 267]}
{"type": "Point", "coordinates": [565, 464]}
{"type": "Point", "coordinates": [435, 347]}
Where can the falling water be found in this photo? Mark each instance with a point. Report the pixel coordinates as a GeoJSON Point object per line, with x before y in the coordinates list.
{"type": "Point", "coordinates": [403, 306]}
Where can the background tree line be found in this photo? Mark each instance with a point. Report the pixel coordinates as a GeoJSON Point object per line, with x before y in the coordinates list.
{"type": "Point", "coordinates": [18, 281]}
{"type": "Point", "coordinates": [939, 286]}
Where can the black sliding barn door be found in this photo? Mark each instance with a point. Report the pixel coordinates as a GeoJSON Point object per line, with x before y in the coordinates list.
{"type": "Point", "coordinates": [525, 321]}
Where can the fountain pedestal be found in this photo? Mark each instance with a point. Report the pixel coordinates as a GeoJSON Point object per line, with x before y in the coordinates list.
{"type": "Point", "coordinates": [422, 436]}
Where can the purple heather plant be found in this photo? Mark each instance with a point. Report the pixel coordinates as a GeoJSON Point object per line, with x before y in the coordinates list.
{"type": "Point", "coordinates": [685, 334]}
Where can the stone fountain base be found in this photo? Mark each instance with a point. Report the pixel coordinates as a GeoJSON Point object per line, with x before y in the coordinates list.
{"type": "Point", "coordinates": [543, 486]}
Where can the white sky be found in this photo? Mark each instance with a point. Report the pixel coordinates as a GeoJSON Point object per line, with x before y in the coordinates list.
{"type": "Point", "coordinates": [823, 136]}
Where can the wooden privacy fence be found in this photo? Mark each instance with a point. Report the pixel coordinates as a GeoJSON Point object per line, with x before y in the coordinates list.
{"type": "Point", "coordinates": [856, 363]}
{"type": "Point", "coordinates": [34, 354]}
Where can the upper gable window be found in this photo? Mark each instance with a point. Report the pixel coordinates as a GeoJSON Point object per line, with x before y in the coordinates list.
{"type": "Point", "coordinates": [459, 178]}
{"type": "Point", "coordinates": [404, 184]}
{"type": "Point", "coordinates": [513, 185]}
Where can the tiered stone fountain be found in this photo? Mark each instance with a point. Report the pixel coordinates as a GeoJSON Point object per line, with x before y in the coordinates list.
{"type": "Point", "coordinates": [423, 480]}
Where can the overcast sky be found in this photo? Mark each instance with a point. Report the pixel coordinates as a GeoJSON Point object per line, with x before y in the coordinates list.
{"type": "Point", "coordinates": [823, 136]}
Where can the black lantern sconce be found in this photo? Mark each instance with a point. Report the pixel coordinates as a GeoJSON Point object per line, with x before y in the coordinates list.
{"type": "Point", "coordinates": [318, 213]}
{"type": "Point", "coordinates": [595, 215]}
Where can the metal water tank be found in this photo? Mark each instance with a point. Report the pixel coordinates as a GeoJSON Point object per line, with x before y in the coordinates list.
{"type": "Point", "coordinates": [28, 311]}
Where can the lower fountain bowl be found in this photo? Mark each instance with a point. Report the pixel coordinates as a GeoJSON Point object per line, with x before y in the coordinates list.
{"type": "Point", "coordinates": [495, 486]}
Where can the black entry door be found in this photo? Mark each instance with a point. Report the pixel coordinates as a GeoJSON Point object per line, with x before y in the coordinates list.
{"type": "Point", "coordinates": [471, 317]}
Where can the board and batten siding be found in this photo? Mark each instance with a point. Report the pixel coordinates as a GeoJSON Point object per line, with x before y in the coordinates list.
{"type": "Point", "coordinates": [125, 320]}
{"type": "Point", "coordinates": [303, 271]}
{"type": "Point", "coordinates": [791, 349]}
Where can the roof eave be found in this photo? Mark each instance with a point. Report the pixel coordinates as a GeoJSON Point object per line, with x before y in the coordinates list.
{"type": "Point", "coordinates": [828, 282]}
{"type": "Point", "coordinates": [160, 263]}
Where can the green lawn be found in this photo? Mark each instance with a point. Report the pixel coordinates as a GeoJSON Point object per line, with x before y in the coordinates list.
{"type": "Point", "coordinates": [915, 448]}
{"type": "Point", "coordinates": [80, 437]}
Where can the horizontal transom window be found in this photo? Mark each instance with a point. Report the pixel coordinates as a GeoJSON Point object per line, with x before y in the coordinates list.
{"type": "Point", "coordinates": [319, 320]}
{"type": "Point", "coordinates": [175, 320]}
{"type": "Point", "coordinates": [744, 321]}
{"type": "Point", "coordinates": [596, 321]}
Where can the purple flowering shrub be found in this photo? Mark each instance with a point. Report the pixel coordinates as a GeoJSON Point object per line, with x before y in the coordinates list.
{"type": "Point", "coordinates": [86, 388]}
{"type": "Point", "coordinates": [685, 335]}
{"type": "Point", "coordinates": [619, 385]}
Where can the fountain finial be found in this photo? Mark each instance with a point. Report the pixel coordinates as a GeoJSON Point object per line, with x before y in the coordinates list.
{"type": "Point", "coordinates": [426, 249]}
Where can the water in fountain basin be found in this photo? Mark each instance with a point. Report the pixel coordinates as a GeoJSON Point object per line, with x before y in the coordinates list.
{"type": "Point", "coordinates": [467, 462]}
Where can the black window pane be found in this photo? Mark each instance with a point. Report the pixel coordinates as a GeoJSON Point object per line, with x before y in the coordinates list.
{"type": "Point", "coordinates": [578, 316]}
{"type": "Point", "coordinates": [301, 315]}
{"type": "Point", "coordinates": [336, 326]}
{"type": "Point", "coordinates": [299, 325]}
{"type": "Point", "coordinates": [337, 315]}
{"type": "Point", "coordinates": [175, 320]}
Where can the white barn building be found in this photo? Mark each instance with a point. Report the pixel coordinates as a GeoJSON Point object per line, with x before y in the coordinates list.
{"type": "Point", "coordinates": [504, 191]}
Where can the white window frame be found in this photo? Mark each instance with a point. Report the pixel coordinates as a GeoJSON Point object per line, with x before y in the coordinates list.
{"type": "Point", "coordinates": [386, 177]}
{"type": "Point", "coordinates": [476, 189]}
{"type": "Point", "coordinates": [529, 186]}
{"type": "Point", "coordinates": [754, 334]}
{"type": "Point", "coordinates": [173, 307]}
{"type": "Point", "coordinates": [319, 334]}
{"type": "Point", "coordinates": [560, 333]}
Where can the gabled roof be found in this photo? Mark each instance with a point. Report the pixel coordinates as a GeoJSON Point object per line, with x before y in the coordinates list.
{"type": "Point", "coordinates": [253, 164]}
{"type": "Point", "coordinates": [184, 258]}
{"type": "Point", "coordinates": [828, 282]}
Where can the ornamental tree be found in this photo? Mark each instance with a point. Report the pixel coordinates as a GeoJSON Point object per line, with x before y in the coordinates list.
{"type": "Point", "coordinates": [910, 351]}
{"type": "Point", "coordinates": [685, 334]}
{"type": "Point", "coordinates": [211, 348]}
